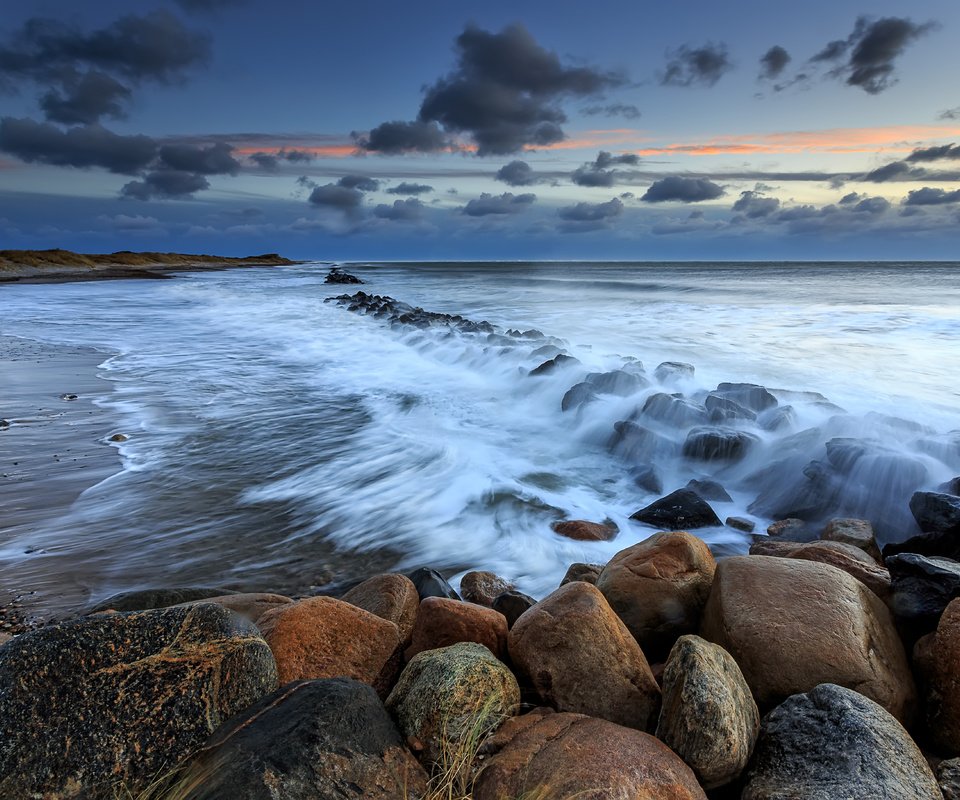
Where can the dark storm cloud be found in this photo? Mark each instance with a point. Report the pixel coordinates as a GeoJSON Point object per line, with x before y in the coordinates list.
{"type": "Point", "coordinates": [691, 66]}
{"type": "Point", "coordinates": [928, 196]}
{"type": "Point", "coordinates": [871, 51]}
{"type": "Point", "coordinates": [82, 147]}
{"type": "Point", "coordinates": [684, 190]}
{"type": "Point", "coordinates": [507, 203]}
{"type": "Point", "coordinates": [397, 137]}
{"type": "Point", "coordinates": [754, 206]}
{"type": "Point", "coordinates": [268, 161]}
{"type": "Point", "coordinates": [409, 210]}
{"type": "Point", "coordinates": [895, 171]}
{"type": "Point", "coordinates": [596, 173]}
{"type": "Point", "coordinates": [605, 159]}
{"type": "Point", "coordinates": [84, 99]}
{"type": "Point", "coordinates": [872, 205]}
{"type": "Point", "coordinates": [517, 173]}
{"type": "Point", "coordinates": [217, 159]}
{"type": "Point", "coordinates": [503, 93]}
{"type": "Point", "coordinates": [591, 212]}
{"type": "Point", "coordinates": [272, 161]}
{"type": "Point", "coordinates": [362, 182]}
{"type": "Point", "coordinates": [339, 198]}
{"type": "Point", "coordinates": [410, 188]}
{"type": "Point", "coordinates": [625, 110]}
{"type": "Point", "coordinates": [773, 62]}
{"type": "Point", "coordinates": [165, 184]}
{"type": "Point", "coordinates": [940, 153]}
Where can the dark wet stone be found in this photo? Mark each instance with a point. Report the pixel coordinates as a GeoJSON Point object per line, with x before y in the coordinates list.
{"type": "Point", "coordinates": [512, 604]}
{"type": "Point", "coordinates": [779, 419]}
{"type": "Point", "coordinates": [717, 444]}
{"type": "Point", "coordinates": [618, 381]}
{"type": "Point", "coordinates": [546, 351]}
{"type": "Point", "coordinates": [922, 587]}
{"type": "Point", "coordinates": [647, 477]}
{"type": "Point", "coordinates": [741, 524]}
{"type": "Point", "coordinates": [555, 363]}
{"type": "Point", "coordinates": [722, 409]}
{"type": "Point", "coordinates": [673, 370]}
{"type": "Point", "coordinates": [588, 573]}
{"type": "Point", "coordinates": [936, 513]}
{"type": "Point", "coordinates": [311, 740]}
{"type": "Point", "coordinates": [120, 697]}
{"type": "Point", "coordinates": [674, 411]}
{"type": "Point", "coordinates": [146, 599]}
{"type": "Point", "coordinates": [634, 443]}
{"type": "Point", "coordinates": [577, 395]}
{"type": "Point", "coordinates": [431, 583]}
{"type": "Point", "coordinates": [749, 395]}
{"type": "Point", "coordinates": [945, 447]}
{"type": "Point", "coordinates": [336, 275]}
{"type": "Point", "coordinates": [709, 490]}
{"type": "Point", "coordinates": [951, 486]}
{"type": "Point", "coordinates": [680, 510]}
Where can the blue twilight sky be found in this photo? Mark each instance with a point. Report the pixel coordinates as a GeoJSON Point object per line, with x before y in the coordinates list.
{"type": "Point", "coordinates": [439, 130]}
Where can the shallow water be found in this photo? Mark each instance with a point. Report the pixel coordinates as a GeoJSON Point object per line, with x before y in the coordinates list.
{"type": "Point", "coordinates": [280, 442]}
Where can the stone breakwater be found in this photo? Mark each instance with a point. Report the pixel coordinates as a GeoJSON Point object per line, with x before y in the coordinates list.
{"type": "Point", "coordinates": [815, 670]}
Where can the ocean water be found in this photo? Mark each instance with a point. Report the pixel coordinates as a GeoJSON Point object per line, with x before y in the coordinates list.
{"type": "Point", "coordinates": [280, 442]}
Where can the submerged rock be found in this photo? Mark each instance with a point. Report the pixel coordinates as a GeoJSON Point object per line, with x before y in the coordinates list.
{"type": "Point", "coordinates": [679, 510]}
{"type": "Point", "coordinates": [577, 395]}
{"type": "Point", "coordinates": [634, 443]}
{"type": "Point", "coordinates": [557, 362]}
{"type": "Point", "coordinates": [750, 395]}
{"type": "Point", "coordinates": [718, 444]}
{"type": "Point", "coordinates": [618, 382]}
{"type": "Point", "coordinates": [647, 477]}
{"type": "Point", "coordinates": [709, 490]}
{"type": "Point", "coordinates": [337, 275]}
{"type": "Point", "coordinates": [723, 409]}
{"type": "Point", "coordinates": [670, 371]}
{"type": "Point", "coordinates": [674, 411]}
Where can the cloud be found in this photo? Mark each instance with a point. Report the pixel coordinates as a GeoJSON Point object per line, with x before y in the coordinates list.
{"type": "Point", "coordinates": [125, 222]}
{"type": "Point", "coordinates": [625, 110]}
{"type": "Point", "coordinates": [409, 210]}
{"type": "Point", "coordinates": [516, 173]}
{"type": "Point", "coordinates": [507, 203]}
{"type": "Point", "coordinates": [754, 206]}
{"type": "Point", "coordinates": [362, 182]}
{"type": "Point", "coordinates": [873, 48]}
{"type": "Point", "coordinates": [894, 171]}
{"type": "Point", "coordinates": [684, 190]}
{"type": "Point", "coordinates": [691, 66]}
{"type": "Point", "coordinates": [851, 198]}
{"type": "Point", "coordinates": [940, 153]}
{"type": "Point", "coordinates": [872, 205]}
{"type": "Point", "coordinates": [84, 98]}
{"type": "Point", "coordinates": [82, 147]}
{"type": "Point", "coordinates": [928, 196]}
{"type": "Point", "coordinates": [165, 184]}
{"type": "Point", "coordinates": [773, 62]}
{"type": "Point", "coordinates": [410, 188]}
{"type": "Point", "coordinates": [503, 94]}
{"type": "Point", "coordinates": [605, 159]}
{"type": "Point", "coordinates": [339, 198]}
{"type": "Point", "coordinates": [217, 159]}
{"type": "Point", "coordinates": [596, 173]}
{"type": "Point", "coordinates": [950, 113]}
{"type": "Point", "coordinates": [271, 161]}
{"type": "Point", "coordinates": [591, 212]}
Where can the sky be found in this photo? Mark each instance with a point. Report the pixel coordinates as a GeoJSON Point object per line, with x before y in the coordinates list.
{"type": "Point", "coordinates": [743, 130]}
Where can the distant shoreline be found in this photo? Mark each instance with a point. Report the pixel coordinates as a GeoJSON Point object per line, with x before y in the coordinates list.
{"type": "Point", "coordinates": [61, 266]}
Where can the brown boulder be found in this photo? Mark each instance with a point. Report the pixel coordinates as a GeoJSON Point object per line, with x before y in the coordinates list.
{"type": "Point", "coordinates": [857, 532]}
{"type": "Point", "coordinates": [851, 560]}
{"type": "Point", "coordinates": [557, 756]}
{"type": "Point", "coordinates": [658, 588]}
{"type": "Point", "coordinates": [937, 657]}
{"type": "Point", "coordinates": [483, 588]}
{"type": "Point", "coordinates": [251, 605]}
{"type": "Point", "coordinates": [792, 625]}
{"type": "Point", "coordinates": [580, 657]}
{"type": "Point", "coordinates": [786, 527]}
{"type": "Point", "coordinates": [584, 531]}
{"type": "Point", "coordinates": [766, 546]}
{"type": "Point", "coordinates": [390, 596]}
{"type": "Point", "coordinates": [442, 622]}
{"type": "Point", "coordinates": [588, 573]}
{"type": "Point", "coordinates": [325, 638]}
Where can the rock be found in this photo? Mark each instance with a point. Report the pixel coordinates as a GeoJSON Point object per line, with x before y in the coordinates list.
{"type": "Point", "coordinates": [336, 275]}
{"type": "Point", "coordinates": [741, 524]}
{"type": "Point", "coordinates": [708, 716]}
{"type": "Point", "coordinates": [858, 532]}
{"type": "Point", "coordinates": [320, 637]}
{"type": "Point", "coordinates": [573, 756]}
{"type": "Point", "coordinates": [658, 588]}
{"type": "Point", "coordinates": [584, 531]}
{"type": "Point", "coordinates": [718, 444]}
{"type": "Point", "coordinates": [787, 528]}
{"type": "Point", "coordinates": [570, 638]}
{"type": "Point", "coordinates": [647, 477]}
{"type": "Point", "coordinates": [674, 411]}
{"type": "Point", "coordinates": [119, 438]}
{"type": "Point", "coordinates": [951, 486]}
{"type": "Point", "coordinates": [390, 596]}
{"type": "Point", "coordinates": [939, 667]}
{"type": "Point", "coordinates": [4, 638]}
{"type": "Point", "coordinates": [309, 740]}
{"type": "Point", "coordinates": [251, 606]}
{"type": "Point", "coordinates": [709, 490]}
{"type": "Point", "coordinates": [851, 560]}
{"type": "Point", "coordinates": [948, 776]}
{"type": "Point", "coordinates": [431, 583]}
{"type": "Point", "coordinates": [618, 382]}
{"type": "Point", "coordinates": [634, 443]}
{"type": "Point", "coordinates": [921, 588]}
{"type": "Point", "coordinates": [766, 546]}
{"type": "Point", "coordinates": [754, 397]}
{"type": "Point", "coordinates": [146, 599]}
{"type": "Point", "coordinates": [118, 697]}
{"type": "Point", "coordinates": [670, 371]}
{"type": "Point", "coordinates": [722, 409]}
{"type": "Point", "coordinates": [793, 624]}
{"type": "Point", "coordinates": [447, 695]}
{"type": "Point", "coordinates": [588, 573]}
{"type": "Point", "coordinates": [577, 395]}
{"type": "Point", "coordinates": [513, 605]}
{"type": "Point", "coordinates": [779, 419]}
{"type": "Point", "coordinates": [442, 622]}
{"type": "Point", "coordinates": [835, 743]}
{"type": "Point", "coordinates": [483, 588]}
{"type": "Point", "coordinates": [936, 513]}
{"type": "Point", "coordinates": [557, 362]}
{"type": "Point", "coordinates": [679, 510]}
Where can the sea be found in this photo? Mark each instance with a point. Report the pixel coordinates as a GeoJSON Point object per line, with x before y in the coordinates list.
{"type": "Point", "coordinates": [277, 441]}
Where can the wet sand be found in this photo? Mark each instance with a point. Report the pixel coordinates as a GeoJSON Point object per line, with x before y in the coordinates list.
{"type": "Point", "coordinates": [52, 448]}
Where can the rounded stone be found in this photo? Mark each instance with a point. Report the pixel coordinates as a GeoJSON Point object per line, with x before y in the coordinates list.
{"type": "Point", "coordinates": [483, 588]}
{"type": "Point", "coordinates": [937, 658]}
{"type": "Point", "coordinates": [390, 596]}
{"type": "Point", "coordinates": [442, 622]}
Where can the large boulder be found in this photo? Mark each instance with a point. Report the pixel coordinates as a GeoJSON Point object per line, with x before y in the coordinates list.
{"type": "Point", "coordinates": [618, 381]}
{"type": "Point", "coordinates": [858, 532]}
{"type": "Point", "coordinates": [555, 756]}
{"type": "Point", "coordinates": [750, 395]}
{"type": "Point", "coordinates": [447, 696]}
{"type": "Point", "coordinates": [119, 697]}
{"type": "Point", "coordinates": [580, 657]}
{"type": "Point", "coordinates": [792, 625]}
{"type": "Point", "coordinates": [834, 743]}
{"type": "Point", "coordinates": [936, 512]}
{"type": "Point", "coordinates": [937, 658]}
{"type": "Point", "coordinates": [442, 622]}
{"type": "Point", "coordinates": [948, 776]}
{"type": "Point", "coordinates": [588, 573]}
{"type": "Point", "coordinates": [325, 638]}
{"type": "Point", "coordinates": [922, 587]}
{"type": "Point", "coordinates": [311, 740]}
{"type": "Point", "coordinates": [390, 596]}
{"type": "Point", "coordinates": [483, 588]}
{"type": "Point", "coordinates": [673, 411]}
{"type": "Point", "coordinates": [679, 510]}
{"type": "Point", "coordinates": [851, 560]}
{"type": "Point", "coordinates": [718, 444]}
{"type": "Point", "coordinates": [431, 583]}
{"type": "Point", "coordinates": [513, 605]}
{"type": "Point", "coordinates": [670, 371]}
{"type": "Point", "coordinates": [659, 587]}
{"type": "Point", "coordinates": [708, 717]}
